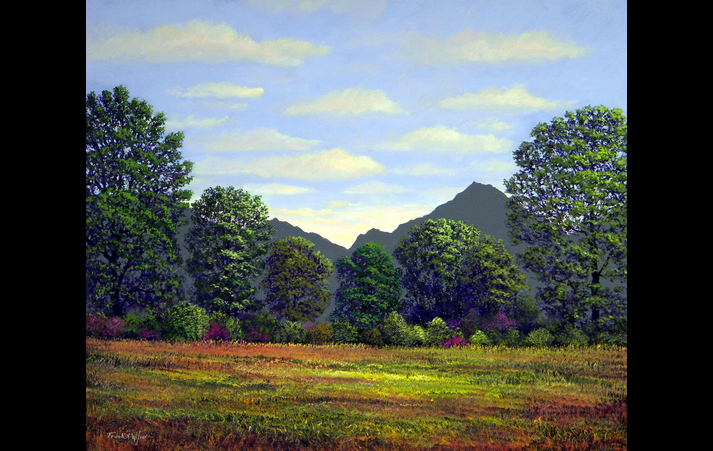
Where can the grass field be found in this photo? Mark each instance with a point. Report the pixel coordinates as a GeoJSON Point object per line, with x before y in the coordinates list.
{"type": "Point", "coordinates": [192, 396]}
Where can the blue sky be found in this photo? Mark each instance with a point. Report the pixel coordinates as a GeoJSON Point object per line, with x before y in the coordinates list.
{"type": "Point", "coordinates": [347, 115]}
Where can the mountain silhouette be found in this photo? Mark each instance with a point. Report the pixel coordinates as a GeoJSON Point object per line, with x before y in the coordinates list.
{"type": "Point", "coordinates": [482, 206]}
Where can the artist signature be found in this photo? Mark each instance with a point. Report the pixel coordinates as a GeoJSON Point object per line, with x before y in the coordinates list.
{"type": "Point", "coordinates": [133, 436]}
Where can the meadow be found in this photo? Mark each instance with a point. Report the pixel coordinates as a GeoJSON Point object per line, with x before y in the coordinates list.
{"type": "Point", "coordinates": [161, 395]}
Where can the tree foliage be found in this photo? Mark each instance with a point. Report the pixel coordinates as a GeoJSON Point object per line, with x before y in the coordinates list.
{"type": "Point", "coordinates": [229, 236]}
{"type": "Point", "coordinates": [295, 282]}
{"type": "Point", "coordinates": [369, 287]}
{"type": "Point", "coordinates": [450, 268]}
{"type": "Point", "coordinates": [135, 200]}
{"type": "Point", "coordinates": [568, 203]}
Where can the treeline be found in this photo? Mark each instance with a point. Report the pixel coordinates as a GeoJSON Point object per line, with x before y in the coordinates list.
{"type": "Point", "coordinates": [452, 286]}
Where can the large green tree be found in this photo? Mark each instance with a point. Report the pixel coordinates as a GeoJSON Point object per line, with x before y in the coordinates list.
{"type": "Point", "coordinates": [135, 198]}
{"type": "Point", "coordinates": [450, 267]}
{"type": "Point", "coordinates": [229, 236]}
{"type": "Point", "coordinates": [369, 287]}
{"type": "Point", "coordinates": [295, 282]}
{"type": "Point", "coordinates": [568, 203]}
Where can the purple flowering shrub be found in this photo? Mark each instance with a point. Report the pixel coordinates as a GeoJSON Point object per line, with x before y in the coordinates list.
{"type": "Point", "coordinates": [257, 336]}
{"type": "Point", "coordinates": [454, 341]}
{"type": "Point", "coordinates": [145, 334]}
{"type": "Point", "coordinates": [499, 322]}
{"type": "Point", "coordinates": [101, 326]}
{"type": "Point", "coordinates": [217, 332]}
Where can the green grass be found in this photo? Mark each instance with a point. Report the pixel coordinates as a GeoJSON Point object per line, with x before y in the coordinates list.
{"type": "Point", "coordinates": [262, 396]}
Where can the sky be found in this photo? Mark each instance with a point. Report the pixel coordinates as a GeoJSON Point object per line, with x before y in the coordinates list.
{"type": "Point", "coordinates": [348, 115]}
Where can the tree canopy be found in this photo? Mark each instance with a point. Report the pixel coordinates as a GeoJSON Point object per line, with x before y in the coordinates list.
{"type": "Point", "coordinates": [135, 200]}
{"type": "Point", "coordinates": [295, 281]}
{"type": "Point", "coordinates": [450, 267]}
{"type": "Point", "coordinates": [230, 235]}
{"type": "Point", "coordinates": [568, 203]}
{"type": "Point", "coordinates": [369, 287]}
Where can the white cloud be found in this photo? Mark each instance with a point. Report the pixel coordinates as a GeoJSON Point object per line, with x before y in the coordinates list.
{"type": "Point", "coordinates": [199, 41]}
{"type": "Point", "coordinates": [443, 139]}
{"type": "Point", "coordinates": [335, 164]}
{"type": "Point", "coordinates": [379, 188]}
{"type": "Point", "coordinates": [350, 101]}
{"type": "Point", "coordinates": [494, 98]}
{"type": "Point", "coordinates": [489, 48]}
{"type": "Point", "coordinates": [174, 123]}
{"type": "Point", "coordinates": [259, 139]}
{"type": "Point", "coordinates": [276, 189]}
{"type": "Point", "coordinates": [218, 90]}
{"type": "Point", "coordinates": [423, 169]}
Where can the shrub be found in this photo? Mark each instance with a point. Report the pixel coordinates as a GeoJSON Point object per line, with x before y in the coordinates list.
{"type": "Point", "coordinates": [479, 338]}
{"type": "Point", "coordinates": [261, 327]}
{"type": "Point", "coordinates": [292, 332]}
{"type": "Point", "coordinates": [437, 332]}
{"type": "Point", "coordinates": [499, 322]}
{"type": "Point", "coordinates": [540, 337]}
{"type": "Point", "coordinates": [415, 336]}
{"type": "Point", "coordinates": [185, 321]}
{"type": "Point", "coordinates": [101, 326]}
{"type": "Point", "coordinates": [371, 337]}
{"type": "Point", "coordinates": [454, 341]}
{"type": "Point", "coordinates": [343, 332]}
{"type": "Point", "coordinates": [231, 323]}
{"type": "Point", "coordinates": [320, 334]}
{"type": "Point", "coordinates": [513, 337]}
{"type": "Point", "coordinates": [394, 329]}
{"type": "Point", "coordinates": [142, 324]}
{"type": "Point", "coordinates": [217, 332]}
{"type": "Point", "coordinates": [148, 335]}
{"type": "Point", "coordinates": [571, 336]}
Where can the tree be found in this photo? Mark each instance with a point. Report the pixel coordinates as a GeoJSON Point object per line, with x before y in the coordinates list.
{"type": "Point", "coordinates": [369, 287]}
{"type": "Point", "coordinates": [451, 267]}
{"type": "Point", "coordinates": [295, 280]}
{"type": "Point", "coordinates": [230, 235]}
{"type": "Point", "coordinates": [568, 204]}
{"type": "Point", "coordinates": [134, 202]}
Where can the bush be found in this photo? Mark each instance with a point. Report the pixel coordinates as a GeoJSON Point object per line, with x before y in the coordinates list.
{"type": "Point", "coordinates": [499, 322]}
{"type": "Point", "coordinates": [142, 325]}
{"type": "Point", "coordinates": [479, 339]}
{"type": "Point", "coordinates": [103, 327]}
{"type": "Point", "coordinates": [437, 332]}
{"type": "Point", "coordinates": [261, 327]}
{"type": "Point", "coordinates": [320, 334]}
{"type": "Point", "coordinates": [292, 332]}
{"type": "Point", "coordinates": [217, 332]}
{"type": "Point", "coordinates": [185, 321]}
{"type": "Point", "coordinates": [453, 342]}
{"type": "Point", "coordinates": [394, 329]}
{"type": "Point", "coordinates": [231, 323]}
{"type": "Point", "coordinates": [415, 336]}
{"type": "Point", "coordinates": [513, 337]}
{"type": "Point", "coordinates": [571, 336]}
{"type": "Point", "coordinates": [343, 332]}
{"type": "Point", "coordinates": [540, 337]}
{"type": "Point", "coordinates": [371, 337]}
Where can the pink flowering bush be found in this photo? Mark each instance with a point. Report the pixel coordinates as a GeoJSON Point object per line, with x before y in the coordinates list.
{"type": "Point", "coordinates": [499, 322]}
{"type": "Point", "coordinates": [217, 332]}
{"type": "Point", "coordinates": [101, 326]}
{"type": "Point", "coordinates": [455, 341]}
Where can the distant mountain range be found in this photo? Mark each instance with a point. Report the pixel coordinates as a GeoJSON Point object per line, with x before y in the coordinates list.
{"type": "Point", "coordinates": [482, 206]}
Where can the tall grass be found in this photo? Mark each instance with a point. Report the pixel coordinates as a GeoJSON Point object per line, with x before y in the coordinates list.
{"type": "Point", "coordinates": [196, 395]}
